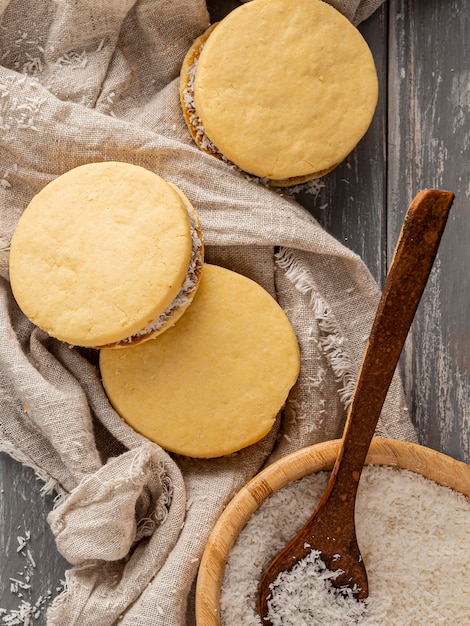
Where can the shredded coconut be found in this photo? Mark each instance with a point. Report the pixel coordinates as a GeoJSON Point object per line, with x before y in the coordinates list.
{"type": "Point", "coordinates": [33, 65]}
{"type": "Point", "coordinates": [311, 187]}
{"type": "Point", "coordinates": [310, 577]}
{"type": "Point", "coordinates": [73, 59]}
{"type": "Point", "coordinates": [15, 114]}
{"type": "Point", "coordinates": [27, 611]}
{"type": "Point", "coordinates": [188, 94]}
{"type": "Point", "coordinates": [414, 536]}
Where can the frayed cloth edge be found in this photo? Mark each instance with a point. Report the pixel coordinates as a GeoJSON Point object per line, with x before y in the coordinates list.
{"type": "Point", "coordinates": [331, 342]}
{"type": "Point", "coordinates": [50, 486]}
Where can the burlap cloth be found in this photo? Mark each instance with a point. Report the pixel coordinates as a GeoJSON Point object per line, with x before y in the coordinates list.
{"type": "Point", "coordinates": [87, 80]}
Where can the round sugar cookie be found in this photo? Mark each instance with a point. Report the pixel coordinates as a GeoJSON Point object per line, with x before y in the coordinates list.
{"type": "Point", "coordinates": [284, 90]}
{"type": "Point", "coordinates": [213, 383]}
{"type": "Point", "coordinates": [106, 254]}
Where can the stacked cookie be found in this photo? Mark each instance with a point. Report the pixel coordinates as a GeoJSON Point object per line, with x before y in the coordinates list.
{"type": "Point", "coordinates": [108, 254]}
{"type": "Point", "coordinates": [284, 90]}
{"type": "Point", "coordinates": [193, 356]}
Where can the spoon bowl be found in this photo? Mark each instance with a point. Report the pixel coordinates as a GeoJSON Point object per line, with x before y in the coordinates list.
{"type": "Point", "coordinates": [331, 528]}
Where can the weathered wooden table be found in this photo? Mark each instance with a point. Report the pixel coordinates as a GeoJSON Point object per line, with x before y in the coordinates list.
{"type": "Point", "coordinates": [420, 138]}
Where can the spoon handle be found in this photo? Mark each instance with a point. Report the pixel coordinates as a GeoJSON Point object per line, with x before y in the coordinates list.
{"type": "Point", "coordinates": [412, 261]}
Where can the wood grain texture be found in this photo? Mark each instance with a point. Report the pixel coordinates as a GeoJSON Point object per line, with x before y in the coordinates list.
{"type": "Point", "coordinates": [420, 137]}
{"type": "Point", "coordinates": [429, 146]}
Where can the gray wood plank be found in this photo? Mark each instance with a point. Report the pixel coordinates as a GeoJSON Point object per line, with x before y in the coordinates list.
{"type": "Point", "coordinates": [31, 568]}
{"type": "Point", "coordinates": [429, 146]}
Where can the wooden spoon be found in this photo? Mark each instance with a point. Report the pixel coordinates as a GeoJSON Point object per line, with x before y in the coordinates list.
{"type": "Point", "coordinates": [331, 528]}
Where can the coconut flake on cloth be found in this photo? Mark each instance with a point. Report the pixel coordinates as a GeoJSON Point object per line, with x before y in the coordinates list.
{"type": "Point", "coordinates": [91, 81]}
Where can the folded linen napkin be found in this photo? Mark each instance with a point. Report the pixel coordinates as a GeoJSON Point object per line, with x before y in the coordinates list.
{"type": "Point", "coordinates": [86, 81]}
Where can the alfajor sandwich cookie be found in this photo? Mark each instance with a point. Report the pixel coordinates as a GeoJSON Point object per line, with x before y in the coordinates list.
{"type": "Point", "coordinates": [107, 254]}
{"type": "Point", "coordinates": [215, 382]}
{"type": "Point", "coordinates": [284, 90]}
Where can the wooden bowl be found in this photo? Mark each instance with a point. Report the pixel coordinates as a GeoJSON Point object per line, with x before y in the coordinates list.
{"type": "Point", "coordinates": [438, 467]}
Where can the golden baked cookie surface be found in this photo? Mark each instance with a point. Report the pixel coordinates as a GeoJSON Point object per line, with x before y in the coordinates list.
{"type": "Point", "coordinates": [285, 89]}
{"type": "Point", "coordinates": [213, 383]}
{"type": "Point", "coordinates": [100, 253]}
